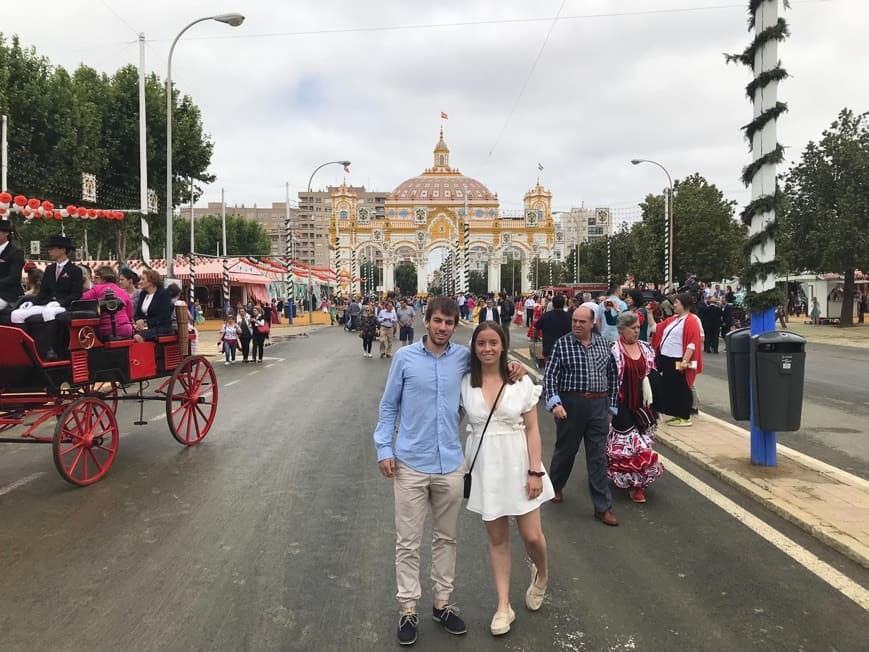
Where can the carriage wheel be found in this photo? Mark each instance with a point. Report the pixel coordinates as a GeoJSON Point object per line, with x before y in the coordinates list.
{"type": "Point", "coordinates": [191, 400]}
{"type": "Point", "coordinates": [85, 441]}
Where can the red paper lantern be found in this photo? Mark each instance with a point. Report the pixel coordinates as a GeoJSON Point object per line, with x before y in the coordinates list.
{"type": "Point", "coordinates": [81, 211]}
{"type": "Point", "coordinates": [91, 213]}
{"type": "Point", "coordinates": [20, 200]}
{"type": "Point", "coordinates": [120, 215]}
{"type": "Point", "coordinates": [5, 198]}
{"type": "Point", "coordinates": [47, 206]}
{"type": "Point", "coordinates": [101, 212]}
{"type": "Point", "coordinates": [71, 209]}
{"type": "Point", "coordinates": [33, 203]}
{"type": "Point", "coordinates": [57, 215]}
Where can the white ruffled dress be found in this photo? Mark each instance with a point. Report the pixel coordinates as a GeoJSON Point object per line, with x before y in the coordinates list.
{"type": "Point", "coordinates": [501, 471]}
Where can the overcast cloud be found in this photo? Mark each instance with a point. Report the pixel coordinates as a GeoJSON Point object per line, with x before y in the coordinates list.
{"type": "Point", "coordinates": [606, 89]}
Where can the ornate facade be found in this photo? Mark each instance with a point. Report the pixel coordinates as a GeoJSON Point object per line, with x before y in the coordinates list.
{"type": "Point", "coordinates": [430, 212]}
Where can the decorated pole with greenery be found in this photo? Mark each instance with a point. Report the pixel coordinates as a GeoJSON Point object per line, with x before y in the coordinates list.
{"type": "Point", "coordinates": [762, 297]}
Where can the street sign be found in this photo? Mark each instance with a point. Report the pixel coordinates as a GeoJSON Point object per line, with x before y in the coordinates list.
{"type": "Point", "coordinates": [34, 247]}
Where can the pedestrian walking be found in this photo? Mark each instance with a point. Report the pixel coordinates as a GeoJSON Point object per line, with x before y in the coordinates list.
{"type": "Point", "coordinates": [406, 314]}
{"type": "Point", "coordinates": [632, 464]}
{"type": "Point", "coordinates": [245, 333]}
{"type": "Point", "coordinates": [711, 319]}
{"type": "Point", "coordinates": [387, 319]}
{"type": "Point", "coordinates": [423, 456]}
{"type": "Point", "coordinates": [229, 337]}
{"type": "Point", "coordinates": [530, 304]}
{"type": "Point", "coordinates": [581, 387]}
{"type": "Point", "coordinates": [678, 346]}
{"type": "Point", "coordinates": [507, 474]}
{"type": "Point", "coordinates": [553, 325]}
{"type": "Point", "coordinates": [816, 312]}
{"type": "Point", "coordinates": [367, 330]}
{"type": "Point", "coordinates": [260, 328]}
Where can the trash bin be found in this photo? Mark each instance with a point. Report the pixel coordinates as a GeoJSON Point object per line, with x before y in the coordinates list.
{"type": "Point", "coordinates": [778, 366]}
{"type": "Point", "coordinates": [738, 344]}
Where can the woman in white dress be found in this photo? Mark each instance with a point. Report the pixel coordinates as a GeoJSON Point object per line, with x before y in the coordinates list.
{"type": "Point", "coordinates": [508, 478]}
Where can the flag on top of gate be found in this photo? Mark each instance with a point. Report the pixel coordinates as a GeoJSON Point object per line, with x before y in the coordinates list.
{"type": "Point", "coordinates": [444, 116]}
{"type": "Point", "coordinates": [540, 167]}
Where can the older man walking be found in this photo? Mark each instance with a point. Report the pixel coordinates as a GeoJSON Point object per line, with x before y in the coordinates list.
{"type": "Point", "coordinates": [581, 385]}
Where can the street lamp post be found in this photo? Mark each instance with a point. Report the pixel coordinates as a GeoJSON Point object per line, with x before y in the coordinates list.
{"type": "Point", "coordinates": [233, 20]}
{"type": "Point", "coordinates": [668, 219]}
{"type": "Point", "coordinates": [346, 165]}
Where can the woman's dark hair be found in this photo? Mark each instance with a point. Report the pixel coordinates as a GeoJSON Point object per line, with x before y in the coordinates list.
{"type": "Point", "coordinates": [129, 274]}
{"type": "Point", "coordinates": [476, 365]}
{"type": "Point", "coordinates": [174, 290]}
{"type": "Point", "coordinates": [686, 299]}
{"type": "Point", "coordinates": [34, 278]}
{"type": "Point", "coordinates": [444, 305]}
{"type": "Point", "coordinates": [637, 297]}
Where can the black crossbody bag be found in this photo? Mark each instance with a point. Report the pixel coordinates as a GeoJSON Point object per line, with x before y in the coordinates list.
{"type": "Point", "coordinates": [482, 434]}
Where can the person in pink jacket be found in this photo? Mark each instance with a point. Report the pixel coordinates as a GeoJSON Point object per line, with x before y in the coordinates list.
{"type": "Point", "coordinates": [105, 278]}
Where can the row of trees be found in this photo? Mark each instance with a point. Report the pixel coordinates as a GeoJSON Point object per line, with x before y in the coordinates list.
{"type": "Point", "coordinates": [62, 124]}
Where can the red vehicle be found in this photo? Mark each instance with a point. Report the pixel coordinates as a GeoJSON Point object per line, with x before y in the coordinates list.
{"type": "Point", "coordinates": [572, 290]}
{"type": "Point", "coordinates": [79, 396]}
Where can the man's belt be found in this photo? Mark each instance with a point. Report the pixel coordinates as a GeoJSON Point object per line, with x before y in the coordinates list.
{"type": "Point", "coordinates": [588, 394]}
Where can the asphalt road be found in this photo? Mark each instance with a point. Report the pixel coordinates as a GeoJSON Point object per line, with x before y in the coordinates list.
{"type": "Point", "coordinates": [275, 533]}
{"type": "Point", "coordinates": [835, 418]}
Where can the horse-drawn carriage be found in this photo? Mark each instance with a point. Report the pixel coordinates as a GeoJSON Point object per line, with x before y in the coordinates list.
{"type": "Point", "coordinates": [80, 394]}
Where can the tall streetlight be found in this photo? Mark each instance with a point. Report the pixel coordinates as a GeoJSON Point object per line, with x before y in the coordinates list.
{"type": "Point", "coordinates": [668, 218]}
{"type": "Point", "coordinates": [234, 20]}
{"type": "Point", "coordinates": [346, 165]}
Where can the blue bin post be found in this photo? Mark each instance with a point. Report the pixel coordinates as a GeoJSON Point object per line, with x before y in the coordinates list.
{"type": "Point", "coordinates": [762, 441]}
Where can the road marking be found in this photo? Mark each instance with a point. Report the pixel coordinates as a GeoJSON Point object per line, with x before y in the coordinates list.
{"type": "Point", "coordinates": [808, 560]}
{"type": "Point", "coordinates": [232, 382]}
{"type": "Point", "coordinates": [270, 364]}
{"type": "Point", "coordinates": [158, 417]}
{"type": "Point", "coordinates": [251, 373]}
{"type": "Point", "coordinates": [20, 483]}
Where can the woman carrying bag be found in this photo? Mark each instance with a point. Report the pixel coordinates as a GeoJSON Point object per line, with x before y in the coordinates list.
{"type": "Point", "coordinates": [679, 358]}
{"type": "Point", "coordinates": [245, 333]}
{"type": "Point", "coordinates": [261, 329]}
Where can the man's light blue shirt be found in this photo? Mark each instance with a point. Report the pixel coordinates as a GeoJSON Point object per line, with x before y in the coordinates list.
{"type": "Point", "coordinates": [422, 397]}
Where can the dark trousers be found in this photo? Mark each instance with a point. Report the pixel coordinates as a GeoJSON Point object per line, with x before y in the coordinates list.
{"type": "Point", "coordinates": [588, 420]}
{"type": "Point", "coordinates": [529, 316]}
{"type": "Point", "coordinates": [258, 347]}
{"type": "Point", "coordinates": [245, 347]}
{"type": "Point", "coordinates": [366, 343]}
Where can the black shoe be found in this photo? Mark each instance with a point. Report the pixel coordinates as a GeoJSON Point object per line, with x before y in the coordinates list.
{"type": "Point", "coordinates": [449, 619]}
{"type": "Point", "coordinates": [407, 625]}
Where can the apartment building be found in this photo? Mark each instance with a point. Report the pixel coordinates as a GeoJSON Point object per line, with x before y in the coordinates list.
{"type": "Point", "coordinates": [272, 220]}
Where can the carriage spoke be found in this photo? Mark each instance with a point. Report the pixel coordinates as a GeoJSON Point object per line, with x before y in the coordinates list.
{"type": "Point", "coordinates": [96, 462]}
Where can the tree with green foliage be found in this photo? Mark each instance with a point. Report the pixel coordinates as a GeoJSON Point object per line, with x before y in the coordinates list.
{"type": "Point", "coordinates": [825, 222]}
{"type": "Point", "coordinates": [62, 125]}
{"type": "Point", "coordinates": [405, 278]}
{"type": "Point", "coordinates": [707, 239]}
{"type": "Point", "coordinates": [244, 237]}
{"type": "Point", "coordinates": [478, 282]}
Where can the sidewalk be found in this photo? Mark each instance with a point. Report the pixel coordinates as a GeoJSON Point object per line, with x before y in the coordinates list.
{"type": "Point", "coordinates": [857, 336]}
{"type": "Point", "coordinates": [829, 503]}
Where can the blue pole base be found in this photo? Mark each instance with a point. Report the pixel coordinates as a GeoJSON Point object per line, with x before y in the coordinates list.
{"type": "Point", "coordinates": [763, 451]}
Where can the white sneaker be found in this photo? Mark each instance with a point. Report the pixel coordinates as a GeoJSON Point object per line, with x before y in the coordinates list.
{"type": "Point", "coordinates": [501, 622]}
{"type": "Point", "coordinates": [226, 363]}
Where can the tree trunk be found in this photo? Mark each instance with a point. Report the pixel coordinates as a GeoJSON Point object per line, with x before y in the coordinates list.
{"type": "Point", "coordinates": [846, 319]}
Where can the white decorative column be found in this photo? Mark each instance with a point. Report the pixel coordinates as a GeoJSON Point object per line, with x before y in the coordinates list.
{"type": "Point", "coordinates": [495, 272]}
{"type": "Point", "coordinates": [421, 272]}
{"type": "Point", "coordinates": [388, 273]}
{"type": "Point", "coordinates": [526, 270]}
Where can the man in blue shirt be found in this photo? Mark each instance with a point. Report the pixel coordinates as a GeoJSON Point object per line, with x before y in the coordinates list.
{"type": "Point", "coordinates": [425, 460]}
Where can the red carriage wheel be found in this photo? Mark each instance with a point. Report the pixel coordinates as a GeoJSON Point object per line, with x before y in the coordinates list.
{"type": "Point", "coordinates": [85, 441]}
{"type": "Point", "coordinates": [191, 400]}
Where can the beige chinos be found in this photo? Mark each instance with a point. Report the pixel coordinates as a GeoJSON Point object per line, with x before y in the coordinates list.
{"type": "Point", "coordinates": [415, 495]}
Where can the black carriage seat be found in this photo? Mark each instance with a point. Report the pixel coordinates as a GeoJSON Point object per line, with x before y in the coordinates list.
{"type": "Point", "coordinates": [80, 310]}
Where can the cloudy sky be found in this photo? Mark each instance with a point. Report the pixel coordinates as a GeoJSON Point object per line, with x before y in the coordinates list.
{"type": "Point", "coordinates": [302, 82]}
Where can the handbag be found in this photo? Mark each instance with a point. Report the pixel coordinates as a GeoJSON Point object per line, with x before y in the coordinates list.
{"type": "Point", "coordinates": [264, 329]}
{"type": "Point", "coordinates": [467, 492]}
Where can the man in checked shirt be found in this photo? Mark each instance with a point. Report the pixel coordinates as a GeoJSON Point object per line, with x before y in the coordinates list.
{"type": "Point", "coordinates": [581, 385]}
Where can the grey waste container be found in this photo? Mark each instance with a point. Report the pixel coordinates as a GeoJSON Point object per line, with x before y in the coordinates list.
{"type": "Point", "coordinates": [738, 369]}
{"type": "Point", "coordinates": [778, 366]}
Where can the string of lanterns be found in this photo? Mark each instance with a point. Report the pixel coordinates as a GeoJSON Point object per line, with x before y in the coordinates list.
{"type": "Point", "coordinates": [32, 208]}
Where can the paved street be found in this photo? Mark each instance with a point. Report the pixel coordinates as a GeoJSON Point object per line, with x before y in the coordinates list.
{"type": "Point", "coordinates": [276, 534]}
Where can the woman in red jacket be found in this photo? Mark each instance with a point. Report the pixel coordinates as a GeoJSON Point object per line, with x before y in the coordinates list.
{"type": "Point", "coordinates": [679, 346]}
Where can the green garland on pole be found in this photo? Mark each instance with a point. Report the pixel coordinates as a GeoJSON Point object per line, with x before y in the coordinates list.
{"type": "Point", "coordinates": [759, 302]}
